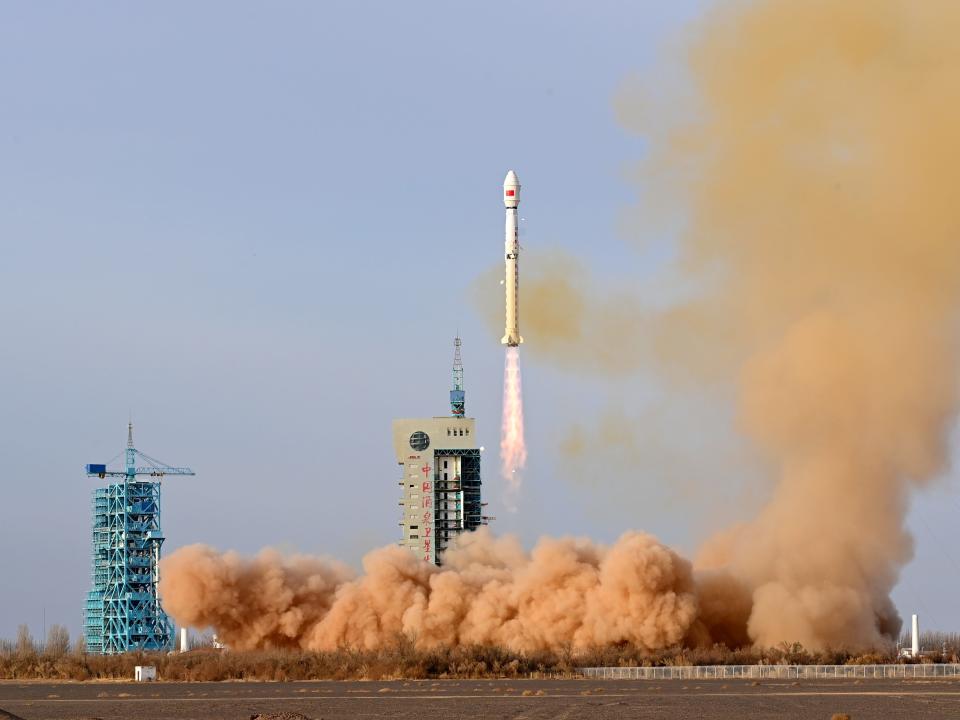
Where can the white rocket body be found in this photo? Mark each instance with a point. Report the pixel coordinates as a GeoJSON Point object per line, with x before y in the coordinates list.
{"type": "Point", "coordinates": [511, 199]}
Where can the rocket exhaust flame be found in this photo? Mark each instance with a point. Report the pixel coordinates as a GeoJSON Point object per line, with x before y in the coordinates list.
{"type": "Point", "coordinates": [513, 449]}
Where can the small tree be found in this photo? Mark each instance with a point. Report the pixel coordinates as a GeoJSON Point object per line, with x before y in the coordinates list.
{"type": "Point", "coordinates": [80, 645]}
{"type": "Point", "coordinates": [25, 644]}
{"type": "Point", "coordinates": [58, 641]}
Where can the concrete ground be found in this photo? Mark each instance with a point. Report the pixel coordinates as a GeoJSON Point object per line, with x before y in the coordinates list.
{"type": "Point", "coordinates": [517, 699]}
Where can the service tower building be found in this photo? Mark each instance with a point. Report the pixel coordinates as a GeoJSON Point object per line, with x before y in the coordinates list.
{"type": "Point", "coordinates": [440, 475]}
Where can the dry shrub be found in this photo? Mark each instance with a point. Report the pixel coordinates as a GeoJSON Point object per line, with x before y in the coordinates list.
{"type": "Point", "coordinates": [400, 661]}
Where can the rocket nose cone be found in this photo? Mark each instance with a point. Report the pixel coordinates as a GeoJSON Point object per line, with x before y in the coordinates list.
{"type": "Point", "coordinates": [511, 190]}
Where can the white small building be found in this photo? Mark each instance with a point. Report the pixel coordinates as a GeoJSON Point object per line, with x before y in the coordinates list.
{"type": "Point", "coordinates": [145, 673]}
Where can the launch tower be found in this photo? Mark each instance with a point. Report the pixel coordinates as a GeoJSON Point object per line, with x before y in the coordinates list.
{"type": "Point", "coordinates": [123, 611]}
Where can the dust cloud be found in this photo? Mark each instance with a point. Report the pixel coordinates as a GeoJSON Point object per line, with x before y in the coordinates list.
{"type": "Point", "coordinates": [818, 174]}
{"type": "Point", "coordinates": [815, 160]}
{"type": "Point", "coordinates": [567, 320]}
{"type": "Point", "coordinates": [812, 153]}
{"type": "Point", "coordinates": [565, 594]}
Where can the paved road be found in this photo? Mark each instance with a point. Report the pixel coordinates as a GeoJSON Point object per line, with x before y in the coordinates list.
{"type": "Point", "coordinates": [517, 699]}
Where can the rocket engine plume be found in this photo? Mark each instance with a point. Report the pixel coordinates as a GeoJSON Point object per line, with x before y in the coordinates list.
{"type": "Point", "coordinates": [513, 449]}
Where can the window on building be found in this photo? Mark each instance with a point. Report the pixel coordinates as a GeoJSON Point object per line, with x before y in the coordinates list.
{"type": "Point", "coordinates": [445, 476]}
{"type": "Point", "coordinates": [414, 537]}
{"type": "Point", "coordinates": [414, 527]}
{"type": "Point", "coordinates": [444, 464]}
{"type": "Point", "coordinates": [419, 441]}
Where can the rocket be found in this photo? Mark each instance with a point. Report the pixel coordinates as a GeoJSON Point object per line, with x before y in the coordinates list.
{"type": "Point", "coordinates": [511, 198]}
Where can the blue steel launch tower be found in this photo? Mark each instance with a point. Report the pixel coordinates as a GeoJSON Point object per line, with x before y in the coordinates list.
{"type": "Point", "coordinates": [123, 611]}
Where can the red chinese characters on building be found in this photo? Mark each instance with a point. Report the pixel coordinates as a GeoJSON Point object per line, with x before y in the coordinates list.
{"type": "Point", "coordinates": [427, 488]}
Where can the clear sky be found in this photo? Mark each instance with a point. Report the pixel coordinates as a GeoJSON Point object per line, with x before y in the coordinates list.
{"type": "Point", "coordinates": [253, 227]}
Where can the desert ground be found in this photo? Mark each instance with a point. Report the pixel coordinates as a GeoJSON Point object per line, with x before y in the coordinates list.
{"type": "Point", "coordinates": [518, 699]}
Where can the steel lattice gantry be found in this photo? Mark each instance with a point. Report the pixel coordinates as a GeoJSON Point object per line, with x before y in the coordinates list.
{"type": "Point", "coordinates": [123, 611]}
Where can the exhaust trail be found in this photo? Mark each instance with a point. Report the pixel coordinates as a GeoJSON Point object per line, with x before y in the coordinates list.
{"type": "Point", "coordinates": [513, 449]}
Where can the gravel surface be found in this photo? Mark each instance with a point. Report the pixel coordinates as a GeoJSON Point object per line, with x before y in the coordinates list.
{"type": "Point", "coordinates": [473, 699]}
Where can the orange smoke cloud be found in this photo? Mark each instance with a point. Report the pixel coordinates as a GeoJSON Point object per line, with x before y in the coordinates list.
{"type": "Point", "coordinates": [818, 177]}
{"type": "Point", "coordinates": [566, 319]}
{"type": "Point", "coordinates": [812, 166]}
{"type": "Point", "coordinates": [809, 161]}
{"type": "Point", "coordinates": [566, 593]}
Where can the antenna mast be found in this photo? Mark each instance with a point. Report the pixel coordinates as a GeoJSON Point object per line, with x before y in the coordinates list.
{"type": "Point", "coordinates": [457, 395]}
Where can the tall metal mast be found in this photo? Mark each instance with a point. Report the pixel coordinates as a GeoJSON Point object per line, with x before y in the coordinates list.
{"type": "Point", "coordinates": [457, 395]}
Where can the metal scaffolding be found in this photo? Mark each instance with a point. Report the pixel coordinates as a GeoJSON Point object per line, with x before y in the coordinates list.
{"type": "Point", "coordinates": [123, 611]}
{"type": "Point", "coordinates": [457, 504]}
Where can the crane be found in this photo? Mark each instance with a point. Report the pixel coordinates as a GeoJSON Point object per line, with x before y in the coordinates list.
{"type": "Point", "coordinates": [155, 468]}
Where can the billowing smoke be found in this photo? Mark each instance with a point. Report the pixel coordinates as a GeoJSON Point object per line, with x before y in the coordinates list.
{"type": "Point", "coordinates": [810, 159]}
{"type": "Point", "coordinates": [818, 172]}
{"type": "Point", "coordinates": [813, 162]}
{"type": "Point", "coordinates": [567, 320]}
{"type": "Point", "coordinates": [565, 594]}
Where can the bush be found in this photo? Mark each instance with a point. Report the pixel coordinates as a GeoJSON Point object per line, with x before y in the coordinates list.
{"type": "Point", "coordinates": [400, 660]}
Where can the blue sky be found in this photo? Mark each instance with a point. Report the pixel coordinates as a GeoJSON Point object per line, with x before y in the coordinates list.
{"type": "Point", "coordinates": [254, 226]}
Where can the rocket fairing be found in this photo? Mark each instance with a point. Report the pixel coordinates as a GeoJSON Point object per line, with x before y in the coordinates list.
{"type": "Point", "coordinates": [511, 198]}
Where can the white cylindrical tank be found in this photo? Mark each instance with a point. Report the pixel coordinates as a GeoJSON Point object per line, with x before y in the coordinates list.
{"type": "Point", "coordinates": [915, 634]}
{"type": "Point", "coordinates": [511, 199]}
{"type": "Point", "coordinates": [184, 640]}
